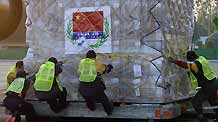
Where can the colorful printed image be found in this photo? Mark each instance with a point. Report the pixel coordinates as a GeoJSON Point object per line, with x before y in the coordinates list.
{"type": "Point", "coordinates": [88, 28]}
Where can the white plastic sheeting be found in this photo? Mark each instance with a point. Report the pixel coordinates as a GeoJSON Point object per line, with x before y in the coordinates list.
{"type": "Point", "coordinates": [143, 34]}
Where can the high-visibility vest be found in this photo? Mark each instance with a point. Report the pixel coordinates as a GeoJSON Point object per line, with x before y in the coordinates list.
{"type": "Point", "coordinates": [45, 77]}
{"type": "Point", "coordinates": [194, 82]}
{"type": "Point", "coordinates": [207, 70]}
{"type": "Point", "coordinates": [17, 85]}
{"type": "Point", "coordinates": [87, 70]}
{"type": "Point", "coordinates": [59, 83]}
{"type": "Point", "coordinates": [11, 70]}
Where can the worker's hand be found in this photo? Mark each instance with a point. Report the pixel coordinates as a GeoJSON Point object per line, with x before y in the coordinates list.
{"type": "Point", "coordinates": [60, 62]}
{"type": "Point", "coordinates": [198, 89]}
{"type": "Point", "coordinates": [170, 59]}
{"type": "Point", "coordinates": [109, 68]}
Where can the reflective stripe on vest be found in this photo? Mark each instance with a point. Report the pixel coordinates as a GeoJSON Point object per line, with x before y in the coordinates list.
{"type": "Point", "coordinates": [59, 83]}
{"type": "Point", "coordinates": [45, 77]}
{"type": "Point", "coordinates": [17, 85]}
{"type": "Point", "coordinates": [208, 72]}
{"type": "Point", "coordinates": [87, 70]}
{"type": "Point", "coordinates": [194, 82]}
{"type": "Point", "coordinates": [11, 70]}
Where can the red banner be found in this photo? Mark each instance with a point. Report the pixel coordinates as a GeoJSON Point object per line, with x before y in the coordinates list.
{"type": "Point", "coordinates": [88, 21]}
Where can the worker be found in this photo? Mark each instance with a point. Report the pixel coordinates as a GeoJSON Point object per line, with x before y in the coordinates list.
{"type": "Point", "coordinates": [47, 85]}
{"type": "Point", "coordinates": [13, 70]}
{"type": "Point", "coordinates": [91, 85]}
{"type": "Point", "coordinates": [200, 70]}
{"type": "Point", "coordinates": [15, 95]}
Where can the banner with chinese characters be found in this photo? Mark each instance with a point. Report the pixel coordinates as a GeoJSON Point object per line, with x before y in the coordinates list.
{"type": "Point", "coordinates": [87, 28]}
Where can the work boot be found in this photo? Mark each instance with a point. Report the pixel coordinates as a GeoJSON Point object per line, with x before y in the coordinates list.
{"type": "Point", "coordinates": [111, 109]}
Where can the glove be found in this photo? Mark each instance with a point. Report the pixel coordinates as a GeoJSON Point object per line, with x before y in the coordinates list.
{"type": "Point", "coordinates": [60, 62]}
{"type": "Point", "coordinates": [109, 68]}
{"type": "Point", "coordinates": [170, 59]}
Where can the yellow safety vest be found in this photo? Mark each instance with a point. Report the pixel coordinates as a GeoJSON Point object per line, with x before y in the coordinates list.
{"type": "Point", "coordinates": [45, 77]}
{"type": "Point", "coordinates": [207, 70]}
{"type": "Point", "coordinates": [59, 83]}
{"type": "Point", "coordinates": [11, 70]}
{"type": "Point", "coordinates": [193, 79]}
{"type": "Point", "coordinates": [87, 70]}
{"type": "Point", "coordinates": [17, 85]}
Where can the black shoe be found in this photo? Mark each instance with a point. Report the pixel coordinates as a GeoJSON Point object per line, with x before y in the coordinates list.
{"type": "Point", "coordinates": [111, 109]}
{"type": "Point", "coordinates": [109, 112]}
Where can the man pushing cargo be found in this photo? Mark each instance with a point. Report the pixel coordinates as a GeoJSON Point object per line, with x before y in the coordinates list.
{"type": "Point", "coordinates": [91, 85]}
{"type": "Point", "coordinates": [47, 85]}
{"type": "Point", "coordinates": [201, 74]}
{"type": "Point", "coordinates": [15, 101]}
{"type": "Point", "coordinates": [13, 71]}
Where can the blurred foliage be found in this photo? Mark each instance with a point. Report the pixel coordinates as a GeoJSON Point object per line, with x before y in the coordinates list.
{"type": "Point", "coordinates": [215, 22]}
{"type": "Point", "coordinates": [199, 44]}
{"type": "Point", "coordinates": [205, 14]}
{"type": "Point", "coordinates": [199, 30]}
{"type": "Point", "coordinates": [209, 53]}
{"type": "Point", "coordinates": [209, 44]}
{"type": "Point", "coordinates": [12, 53]}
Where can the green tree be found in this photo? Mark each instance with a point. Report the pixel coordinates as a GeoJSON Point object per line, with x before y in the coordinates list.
{"type": "Point", "coordinates": [209, 44]}
{"type": "Point", "coordinates": [199, 30]}
{"type": "Point", "coordinates": [204, 12]}
{"type": "Point", "coordinates": [215, 22]}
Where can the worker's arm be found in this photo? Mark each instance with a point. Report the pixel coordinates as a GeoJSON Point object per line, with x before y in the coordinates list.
{"type": "Point", "coordinates": [103, 68]}
{"type": "Point", "coordinates": [58, 69]}
{"type": "Point", "coordinates": [181, 63]}
{"type": "Point", "coordinates": [32, 77]}
{"type": "Point", "coordinates": [27, 84]}
{"type": "Point", "coordinates": [100, 67]}
{"type": "Point", "coordinates": [190, 66]}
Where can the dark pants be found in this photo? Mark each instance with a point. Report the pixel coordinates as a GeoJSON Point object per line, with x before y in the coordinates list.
{"type": "Point", "coordinates": [56, 99]}
{"type": "Point", "coordinates": [58, 103]}
{"type": "Point", "coordinates": [100, 98]}
{"type": "Point", "coordinates": [209, 92]}
{"type": "Point", "coordinates": [18, 106]}
{"type": "Point", "coordinates": [94, 92]}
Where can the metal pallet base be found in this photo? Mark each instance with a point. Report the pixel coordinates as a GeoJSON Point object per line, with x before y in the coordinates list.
{"type": "Point", "coordinates": [133, 111]}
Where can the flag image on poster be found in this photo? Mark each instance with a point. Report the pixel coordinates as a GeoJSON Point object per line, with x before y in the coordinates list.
{"type": "Point", "coordinates": [88, 28]}
{"type": "Point", "coordinates": [90, 23]}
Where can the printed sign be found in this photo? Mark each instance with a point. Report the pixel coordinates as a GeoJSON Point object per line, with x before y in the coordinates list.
{"type": "Point", "coordinates": [88, 28]}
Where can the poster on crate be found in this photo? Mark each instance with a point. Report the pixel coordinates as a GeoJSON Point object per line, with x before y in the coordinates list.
{"type": "Point", "coordinates": [87, 28]}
